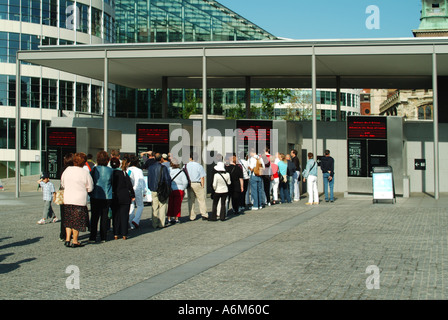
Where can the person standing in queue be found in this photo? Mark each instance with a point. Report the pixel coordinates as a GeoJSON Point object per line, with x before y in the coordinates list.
{"type": "Point", "coordinates": [123, 195]}
{"type": "Point", "coordinates": [221, 183]}
{"type": "Point", "coordinates": [327, 166]}
{"type": "Point", "coordinates": [76, 182]}
{"type": "Point", "coordinates": [196, 191]}
{"type": "Point", "coordinates": [310, 176]}
{"type": "Point", "coordinates": [157, 171]}
{"type": "Point", "coordinates": [101, 197]}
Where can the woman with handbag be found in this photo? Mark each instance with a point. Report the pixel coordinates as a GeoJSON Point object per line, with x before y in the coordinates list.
{"type": "Point", "coordinates": [310, 176]}
{"type": "Point", "coordinates": [123, 195]}
{"type": "Point", "coordinates": [221, 182]}
{"type": "Point", "coordinates": [77, 183]}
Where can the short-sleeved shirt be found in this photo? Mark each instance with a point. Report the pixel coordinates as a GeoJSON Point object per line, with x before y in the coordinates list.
{"type": "Point", "coordinates": [195, 171]}
{"type": "Point", "coordinates": [47, 190]}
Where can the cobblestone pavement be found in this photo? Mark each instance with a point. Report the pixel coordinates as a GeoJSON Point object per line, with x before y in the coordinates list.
{"type": "Point", "coordinates": [283, 252]}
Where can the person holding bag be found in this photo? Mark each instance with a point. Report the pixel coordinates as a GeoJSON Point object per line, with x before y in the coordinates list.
{"type": "Point", "coordinates": [221, 182]}
{"type": "Point", "coordinates": [310, 177]}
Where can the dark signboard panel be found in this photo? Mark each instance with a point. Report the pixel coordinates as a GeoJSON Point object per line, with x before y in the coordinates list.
{"type": "Point", "coordinates": [154, 137]}
{"type": "Point", "coordinates": [60, 141]}
{"type": "Point", "coordinates": [61, 137]}
{"type": "Point", "coordinates": [259, 137]}
{"type": "Point", "coordinates": [367, 128]}
{"type": "Point", "coordinates": [357, 164]}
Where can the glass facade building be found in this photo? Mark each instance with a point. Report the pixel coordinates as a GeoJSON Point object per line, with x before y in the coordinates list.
{"type": "Point", "coordinates": [47, 93]}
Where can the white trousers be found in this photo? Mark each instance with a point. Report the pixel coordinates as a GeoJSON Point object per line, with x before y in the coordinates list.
{"type": "Point", "coordinates": [274, 188]}
{"type": "Point", "coordinates": [311, 185]}
{"type": "Point", "coordinates": [136, 215]}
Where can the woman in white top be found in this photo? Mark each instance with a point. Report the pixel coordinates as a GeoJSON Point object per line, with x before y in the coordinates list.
{"type": "Point", "coordinates": [244, 199]}
{"type": "Point", "coordinates": [76, 182]}
{"type": "Point", "coordinates": [179, 183]}
{"type": "Point", "coordinates": [221, 181]}
{"type": "Point", "coordinates": [139, 186]}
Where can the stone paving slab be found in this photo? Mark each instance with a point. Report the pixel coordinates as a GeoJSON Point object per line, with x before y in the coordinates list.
{"type": "Point", "coordinates": [283, 252]}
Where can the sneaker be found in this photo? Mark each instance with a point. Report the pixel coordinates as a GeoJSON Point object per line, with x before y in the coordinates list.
{"type": "Point", "coordinates": [296, 200]}
{"type": "Point", "coordinates": [41, 221]}
{"type": "Point", "coordinates": [254, 208]}
{"type": "Point", "coordinates": [55, 219]}
{"type": "Point", "coordinates": [309, 204]}
{"type": "Point", "coordinates": [315, 202]}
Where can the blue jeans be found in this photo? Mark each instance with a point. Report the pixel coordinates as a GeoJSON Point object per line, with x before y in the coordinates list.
{"type": "Point", "coordinates": [326, 183]}
{"type": "Point", "coordinates": [285, 196]}
{"type": "Point", "coordinates": [256, 188]}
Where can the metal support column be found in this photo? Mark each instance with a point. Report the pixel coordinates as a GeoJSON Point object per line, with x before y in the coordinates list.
{"type": "Point", "coordinates": [106, 102]}
{"type": "Point", "coordinates": [18, 125]}
{"type": "Point", "coordinates": [248, 99]}
{"type": "Point", "coordinates": [338, 98]}
{"type": "Point", "coordinates": [435, 124]}
{"type": "Point", "coordinates": [204, 112]}
{"type": "Point", "coordinates": [164, 97]}
{"type": "Point", "coordinates": [314, 90]}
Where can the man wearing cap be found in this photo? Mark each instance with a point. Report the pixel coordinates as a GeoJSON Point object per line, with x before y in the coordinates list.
{"type": "Point", "coordinates": [196, 174]}
{"type": "Point", "coordinates": [165, 161]}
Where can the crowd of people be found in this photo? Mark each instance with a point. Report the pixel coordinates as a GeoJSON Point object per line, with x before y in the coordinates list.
{"type": "Point", "coordinates": [116, 188]}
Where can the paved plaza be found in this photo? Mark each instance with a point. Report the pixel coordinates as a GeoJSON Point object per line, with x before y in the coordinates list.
{"type": "Point", "coordinates": [334, 251]}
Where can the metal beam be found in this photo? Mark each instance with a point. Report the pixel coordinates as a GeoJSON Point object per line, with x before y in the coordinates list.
{"type": "Point", "coordinates": [204, 114]}
{"type": "Point", "coordinates": [435, 124]}
{"type": "Point", "coordinates": [248, 98]}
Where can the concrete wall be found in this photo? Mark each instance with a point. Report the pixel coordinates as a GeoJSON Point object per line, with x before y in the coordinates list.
{"type": "Point", "coordinates": [418, 144]}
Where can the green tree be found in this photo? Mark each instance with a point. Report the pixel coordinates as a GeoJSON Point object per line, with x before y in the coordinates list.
{"type": "Point", "coordinates": [190, 104]}
{"type": "Point", "coordinates": [270, 97]}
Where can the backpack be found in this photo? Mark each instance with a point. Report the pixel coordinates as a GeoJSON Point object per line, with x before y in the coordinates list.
{"type": "Point", "coordinates": [163, 188]}
{"type": "Point", "coordinates": [258, 168]}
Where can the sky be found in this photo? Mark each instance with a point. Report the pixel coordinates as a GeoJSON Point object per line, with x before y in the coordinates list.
{"type": "Point", "coordinates": [331, 19]}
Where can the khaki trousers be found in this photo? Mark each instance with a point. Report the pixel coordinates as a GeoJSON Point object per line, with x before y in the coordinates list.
{"type": "Point", "coordinates": [159, 210]}
{"type": "Point", "coordinates": [196, 192]}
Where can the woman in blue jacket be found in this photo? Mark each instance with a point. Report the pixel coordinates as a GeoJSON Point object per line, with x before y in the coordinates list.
{"type": "Point", "coordinates": [101, 196]}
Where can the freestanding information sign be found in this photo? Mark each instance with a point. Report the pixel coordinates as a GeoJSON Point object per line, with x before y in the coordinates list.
{"type": "Point", "coordinates": [383, 184]}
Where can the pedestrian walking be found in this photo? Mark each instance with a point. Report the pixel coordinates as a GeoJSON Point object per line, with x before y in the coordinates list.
{"type": "Point", "coordinates": [76, 182]}
{"type": "Point", "coordinates": [101, 197]}
{"type": "Point", "coordinates": [196, 191]}
{"type": "Point", "coordinates": [123, 195]}
{"type": "Point", "coordinates": [327, 166]}
{"type": "Point", "coordinates": [47, 192]}
{"type": "Point", "coordinates": [221, 182]}
{"type": "Point", "coordinates": [139, 186]}
{"type": "Point", "coordinates": [310, 176]}
{"type": "Point", "coordinates": [179, 183]}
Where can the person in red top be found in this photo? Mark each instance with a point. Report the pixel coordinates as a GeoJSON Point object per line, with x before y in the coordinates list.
{"type": "Point", "coordinates": [275, 181]}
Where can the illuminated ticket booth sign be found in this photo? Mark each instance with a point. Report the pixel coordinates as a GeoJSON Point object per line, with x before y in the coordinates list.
{"type": "Point", "coordinates": [60, 141]}
{"type": "Point", "coordinates": [155, 137]}
{"type": "Point", "coordinates": [373, 142]}
{"type": "Point", "coordinates": [253, 134]}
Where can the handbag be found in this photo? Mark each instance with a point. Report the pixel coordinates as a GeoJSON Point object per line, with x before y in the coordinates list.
{"type": "Point", "coordinates": [59, 197]}
{"type": "Point", "coordinates": [163, 188]}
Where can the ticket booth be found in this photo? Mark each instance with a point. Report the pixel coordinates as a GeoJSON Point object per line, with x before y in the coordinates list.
{"type": "Point", "coordinates": [373, 142]}
{"type": "Point", "coordinates": [61, 141]}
